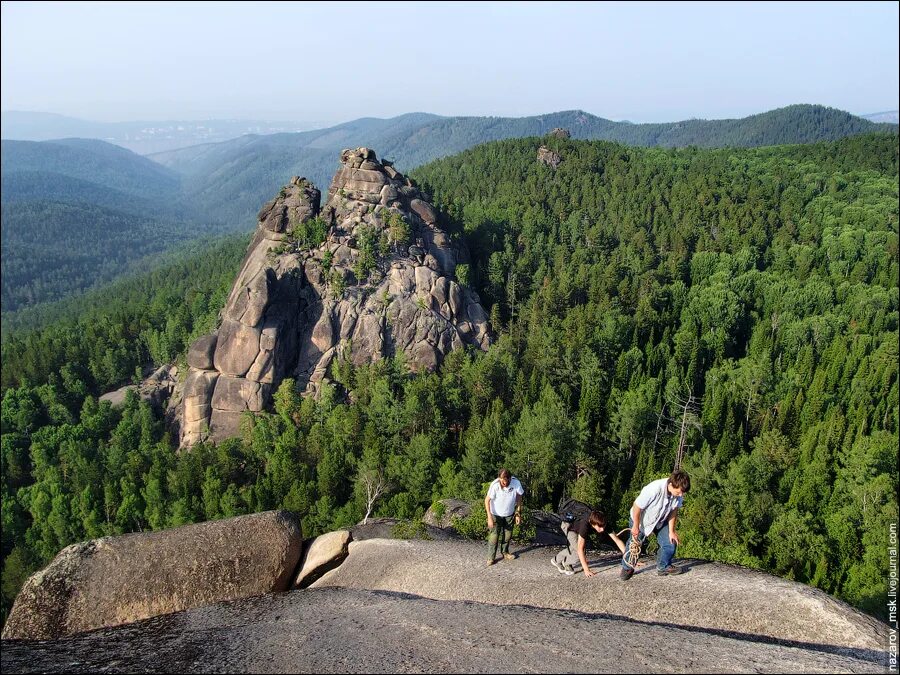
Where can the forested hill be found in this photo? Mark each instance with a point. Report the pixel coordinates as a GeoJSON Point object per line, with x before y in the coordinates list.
{"type": "Point", "coordinates": [93, 161]}
{"type": "Point", "coordinates": [793, 124]}
{"type": "Point", "coordinates": [79, 212]}
{"type": "Point", "coordinates": [251, 168]}
{"type": "Point", "coordinates": [747, 296]}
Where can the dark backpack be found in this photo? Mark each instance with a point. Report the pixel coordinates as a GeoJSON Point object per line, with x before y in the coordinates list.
{"type": "Point", "coordinates": [571, 510]}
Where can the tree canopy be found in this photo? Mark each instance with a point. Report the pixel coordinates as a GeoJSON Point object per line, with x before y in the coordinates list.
{"type": "Point", "coordinates": [740, 303]}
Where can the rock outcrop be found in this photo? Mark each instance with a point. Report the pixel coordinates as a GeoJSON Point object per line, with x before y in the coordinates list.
{"type": "Point", "coordinates": [446, 513]}
{"type": "Point", "coordinates": [394, 528]}
{"type": "Point", "coordinates": [708, 596]}
{"type": "Point", "coordinates": [404, 606]}
{"type": "Point", "coordinates": [115, 580]}
{"type": "Point", "coordinates": [235, 369]}
{"type": "Point", "coordinates": [549, 157]}
{"type": "Point", "coordinates": [321, 555]}
{"type": "Point", "coordinates": [155, 389]}
{"type": "Point", "coordinates": [343, 630]}
{"type": "Point", "coordinates": [559, 132]}
{"type": "Point", "coordinates": [372, 276]}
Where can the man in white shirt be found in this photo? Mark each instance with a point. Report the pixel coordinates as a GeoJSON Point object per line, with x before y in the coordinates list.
{"type": "Point", "coordinates": [655, 512]}
{"type": "Point", "coordinates": [503, 501]}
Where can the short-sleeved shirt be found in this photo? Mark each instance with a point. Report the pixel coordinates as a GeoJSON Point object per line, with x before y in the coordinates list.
{"type": "Point", "coordinates": [503, 499]}
{"type": "Point", "coordinates": [656, 504]}
{"type": "Point", "coordinates": [583, 527]}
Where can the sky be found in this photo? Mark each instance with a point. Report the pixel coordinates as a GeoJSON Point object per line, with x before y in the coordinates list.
{"type": "Point", "coordinates": [333, 62]}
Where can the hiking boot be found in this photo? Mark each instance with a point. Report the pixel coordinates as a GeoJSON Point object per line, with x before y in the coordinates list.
{"type": "Point", "coordinates": [509, 556]}
{"type": "Point", "coordinates": [671, 570]}
{"type": "Point", "coordinates": [568, 571]}
{"type": "Point", "coordinates": [626, 573]}
{"type": "Point", "coordinates": [558, 566]}
{"type": "Point", "coordinates": [491, 562]}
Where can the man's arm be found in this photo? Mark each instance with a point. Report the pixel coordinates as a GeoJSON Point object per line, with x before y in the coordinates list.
{"type": "Point", "coordinates": [582, 558]}
{"type": "Point", "coordinates": [673, 536]}
{"type": "Point", "coordinates": [487, 507]}
{"type": "Point", "coordinates": [636, 520]}
{"type": "Point", "coordinates": [618, 542]}
{"type": "Point", "coordinates": [518, 509]}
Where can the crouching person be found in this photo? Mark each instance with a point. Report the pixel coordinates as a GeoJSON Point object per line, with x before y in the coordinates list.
{"type": "Point", "coordinates": [655, 511]}
{"type": "Point", "coordinates": [586, 522]}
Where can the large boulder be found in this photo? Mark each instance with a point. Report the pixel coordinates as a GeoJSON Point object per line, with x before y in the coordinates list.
{"type": "Point", "coordinates": [323, 553]}
{"type": "Point", "coordinates": [115, 580]}
{"type": "Point", "coordinates": [200, 355]}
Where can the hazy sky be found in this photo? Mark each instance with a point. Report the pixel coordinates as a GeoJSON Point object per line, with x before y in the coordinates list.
{"type": "Point", "coordinates": [332, 62]}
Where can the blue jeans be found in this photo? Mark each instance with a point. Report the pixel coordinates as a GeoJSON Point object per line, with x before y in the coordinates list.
{"type": "Point", "coordinates": [666, 547]}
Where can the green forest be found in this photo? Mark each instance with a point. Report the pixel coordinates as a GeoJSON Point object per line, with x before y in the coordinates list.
{"type": "Point", "coordinates": [249, 170]}
{"type": "Point", "coordinates": [79, 213]}
{"type": "Point", "coordinates": [740, 304]}
{"type": "Point", "coordinates": [77, 246]}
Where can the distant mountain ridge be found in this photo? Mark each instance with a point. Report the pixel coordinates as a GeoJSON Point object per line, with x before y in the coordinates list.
{"type": "Point", "coordinates": [252, 167]}
{"type": "Point", "coordinates": [887, 117]}
{"type": "Point", "coordinates": [141, 136]}
{"type": "Point", "coordinates": [94, 161]}
{"type": "Point", "coordinates": [214, 188]}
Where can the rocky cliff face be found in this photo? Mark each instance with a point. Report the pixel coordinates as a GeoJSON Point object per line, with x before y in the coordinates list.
{"type": "Point", "coordinates": [370, 276]}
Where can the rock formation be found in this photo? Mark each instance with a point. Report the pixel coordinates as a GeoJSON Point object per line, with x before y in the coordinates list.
{"type": "Point", "coordinates": [559, 132]}
{"type": "Point", "coordinates": [348, 630]}
{"type": "Point", "coordinates": [154, 389]}
{"type": "Point", "coordinates": [394, 528]}
{"type": "Point", "coordinates": [235, 368]}
{"type": "Point", "coordinates": [377, 280]}
{"type": "Point", "coordinates": [722, 598]}
{"type": "Point", "coordinates": [549, 157]}
{"type": "Point", "coordinates": [115, 580]}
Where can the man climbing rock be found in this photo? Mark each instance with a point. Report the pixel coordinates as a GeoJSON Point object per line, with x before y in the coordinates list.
{"type": "Point", "coordinates": [655, 512]}
{"type": "Point", "coordinates": [502, 502]}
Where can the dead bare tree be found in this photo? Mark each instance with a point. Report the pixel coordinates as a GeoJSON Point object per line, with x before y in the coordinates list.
{"type": "Point", "coordinates": [659, 424]}
{"type": "Point", "coordinates": [690, 419]}
{"type": "Point", "coordinates": [376, 485]}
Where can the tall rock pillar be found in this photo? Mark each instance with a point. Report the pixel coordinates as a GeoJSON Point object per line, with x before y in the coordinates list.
{"type": "Point", "coordinates": [236, 368]}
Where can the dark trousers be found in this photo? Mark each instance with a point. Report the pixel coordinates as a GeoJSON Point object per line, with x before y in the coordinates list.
{"type": "Point", "coordinates": [500, 535]}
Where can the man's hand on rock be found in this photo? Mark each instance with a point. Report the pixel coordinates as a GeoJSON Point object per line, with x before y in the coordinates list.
{"type": "Point", "coordinates": [588, 572]}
